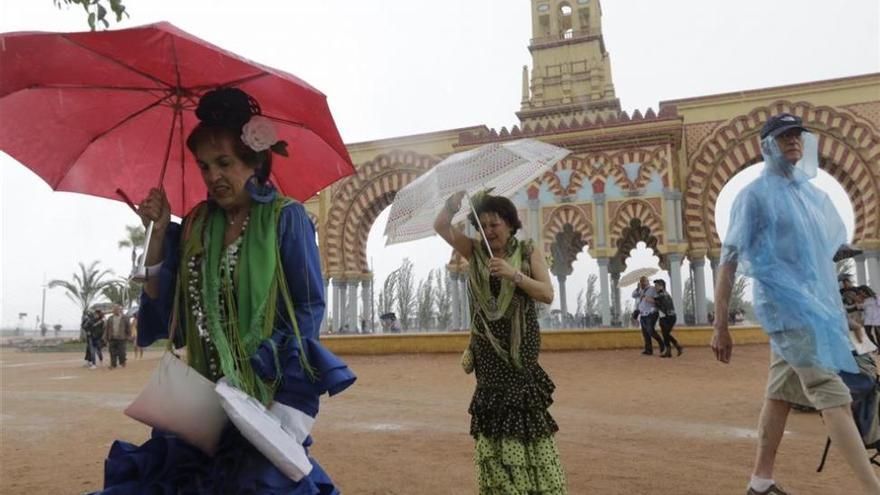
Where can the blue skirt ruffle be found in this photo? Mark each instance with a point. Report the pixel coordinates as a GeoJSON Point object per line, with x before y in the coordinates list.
{"type": "Point", "coordinates": [166, 465]}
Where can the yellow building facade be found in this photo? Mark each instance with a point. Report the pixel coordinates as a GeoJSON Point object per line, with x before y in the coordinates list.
{"type": "Point", "coordinates": [651, 177]}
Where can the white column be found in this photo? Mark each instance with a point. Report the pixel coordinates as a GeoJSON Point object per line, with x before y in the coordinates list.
{"type": "Point", "coordinates": [713, 264]}
{"type": "Point", "coordinates": [452, 283]}
{"type": "Point", "coordinates": [599, 201]}
{"type": "Point", "coordinates": [465, 301]}
{"type": "Point", "coordinates": [675, 287]}
{"type": "Point", "coordinates": [700, 291]}
{"type": "Point", "coordinates": [338, 303]}
{"type": "Point", "coordinates": [563, 298]}
{"type": "Point", "coordinates": [535, 221]}
{"type": "Point", "coordinates": [861, 274]}
{"type": "Point", "coordinates": [604, 308]}
{"type": "Point", "coordinates": [872, 260]}
{"type": "Point", "coordinates": [678, 217]}
{"type": "Point", "coordinates": [367, 303]}
{"type": "Point", "coordinates": [353, 321]}
{"type": "Point", "coordinates": [615, 297]}
{"type": "Point", "coordinates": [324, 324]}
{"type": "Point", "coordinates": [671, 224]}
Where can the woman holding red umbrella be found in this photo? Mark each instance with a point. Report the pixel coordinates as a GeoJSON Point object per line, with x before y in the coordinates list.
{"type": "Point", "coordinates": [242, 271]}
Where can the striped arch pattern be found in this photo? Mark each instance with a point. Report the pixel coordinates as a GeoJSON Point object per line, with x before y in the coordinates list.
{"type": "Point", "coordinates": [358, 200]}
{"type": "Point", "coordinates": [649, 215]}
{"type": "Point", "coordinates": [313, 218]}
{"type": "Point", "coordinates": [578, 216]}
{"type": "Point", "coordinates": [849, 148]}
{"type": "Point", "coordinates": [585, 168]}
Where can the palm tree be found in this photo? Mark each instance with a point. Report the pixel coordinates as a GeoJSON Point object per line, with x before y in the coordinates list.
{"type": "Point", "coordinates": [134, 239]}
{"type": "Point", "coordinates": [86, 286]}
{"type": "Point", "coordinates": [122, 292]}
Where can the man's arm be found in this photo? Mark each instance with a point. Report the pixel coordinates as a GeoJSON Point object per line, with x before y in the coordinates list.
{"type": "Point", "coordinates": [722, 342]}
{"type": "Point", "coordinates": [650, 295]}
{"type": "Point", "coordinates": [857, 329]}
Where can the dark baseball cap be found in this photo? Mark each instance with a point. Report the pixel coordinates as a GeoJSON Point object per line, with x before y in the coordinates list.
{"type": "Point", "coordinates": [778, 124]}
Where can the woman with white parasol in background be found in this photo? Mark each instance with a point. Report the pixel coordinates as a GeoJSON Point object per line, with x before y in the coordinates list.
{"type": "Point", "coordinates": [515, 450]}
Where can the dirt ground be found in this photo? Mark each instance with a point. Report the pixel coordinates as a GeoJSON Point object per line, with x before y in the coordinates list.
{"type": "Point", "coordinates": [629, 424]}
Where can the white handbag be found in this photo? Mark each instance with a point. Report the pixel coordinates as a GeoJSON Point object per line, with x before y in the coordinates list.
{"type": "Point", "coordinates": [181, 401]}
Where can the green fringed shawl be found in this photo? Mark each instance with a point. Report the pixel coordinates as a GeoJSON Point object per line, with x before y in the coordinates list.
{"type": "Point", "coordinates": [250, 293]}
{"type": "Point", "coordinates": [505, 305]}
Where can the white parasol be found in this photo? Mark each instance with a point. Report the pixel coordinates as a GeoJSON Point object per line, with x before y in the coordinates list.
{"type": "Point", "coordinates": [503, 167]}
{"type": "Point", "coordinates": [634, 276]}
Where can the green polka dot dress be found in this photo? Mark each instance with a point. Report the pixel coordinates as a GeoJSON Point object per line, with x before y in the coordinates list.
{"type": "Point", "coordinates": [515, 450]}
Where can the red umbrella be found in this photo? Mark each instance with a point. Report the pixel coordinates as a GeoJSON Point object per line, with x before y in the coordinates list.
{"type": "Point", "coordinates": [97, 112]}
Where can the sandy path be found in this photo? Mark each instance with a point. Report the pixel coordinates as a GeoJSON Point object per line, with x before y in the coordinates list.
{"type": "Point", "coordinates": [629, 424]}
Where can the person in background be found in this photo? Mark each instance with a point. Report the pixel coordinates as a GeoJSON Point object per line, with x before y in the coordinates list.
{"type": "Point", "coordinates": [117, 333]}
{"type": "Point", "coordinates": [95, 335]}
{"type": "Point", "coordinates": [647, 310]}
{"type": "Point", "coordinates": [138, 351]}
{"type": "Point", "coordinates": [849, 294]}
{"type": "Point", "coordinates": [666, 309]}
{"type": "Point", "coordinates": [870, 302]}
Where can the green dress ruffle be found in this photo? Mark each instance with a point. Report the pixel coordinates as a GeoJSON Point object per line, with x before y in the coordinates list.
{"type": "Point", "coordinates": [512, 467]}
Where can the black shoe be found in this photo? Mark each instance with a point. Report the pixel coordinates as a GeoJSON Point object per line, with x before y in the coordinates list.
{"type": "Point", "coordinates": [647, 353]}
{"type": "Point", "coordinates": [679, 349]}
{"type": "Point", "coordinates": [667, 353]}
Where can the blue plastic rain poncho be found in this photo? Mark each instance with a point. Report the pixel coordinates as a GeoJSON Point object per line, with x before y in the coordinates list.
{"type": "Point", "coordinates": [783, 233]}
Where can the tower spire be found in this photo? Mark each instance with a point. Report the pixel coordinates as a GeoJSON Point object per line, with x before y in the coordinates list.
{"type": "Point", "coordinates": [571, 70]}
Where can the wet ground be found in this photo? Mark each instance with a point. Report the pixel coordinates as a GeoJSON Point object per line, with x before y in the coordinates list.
{"type": "Point", "coordinates": [629, 424]}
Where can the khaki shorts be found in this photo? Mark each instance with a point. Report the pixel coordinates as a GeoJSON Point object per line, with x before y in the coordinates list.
{"type": "Point", "coordinates": [814, 387]}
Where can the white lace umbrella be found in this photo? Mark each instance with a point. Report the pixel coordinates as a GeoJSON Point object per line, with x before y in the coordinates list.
{"type": "Point", "coordinates": [503, 167]}
{"type": "Point", "coordinates": [634, 276]}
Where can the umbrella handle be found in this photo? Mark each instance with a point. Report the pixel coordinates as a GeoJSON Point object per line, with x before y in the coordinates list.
{"type": "Point", "coordinates": [480, 225]}
{"type": "Point", "coordinates": [139, 273]}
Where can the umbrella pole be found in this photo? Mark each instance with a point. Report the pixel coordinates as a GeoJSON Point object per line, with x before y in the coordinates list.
{"type": "Point", "coordinates": [140, 273]}
{"type": "Point", "coordinates": [480, 225]}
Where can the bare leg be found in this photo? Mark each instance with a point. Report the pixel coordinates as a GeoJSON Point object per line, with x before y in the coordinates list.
{"type": "Point", "coordinates": [771, 426]}
{"type": "Point", "coordinates": [846, 438]}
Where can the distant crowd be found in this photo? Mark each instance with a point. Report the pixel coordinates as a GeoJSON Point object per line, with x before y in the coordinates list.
{"type": "Point", "coordinates": [114, 332]}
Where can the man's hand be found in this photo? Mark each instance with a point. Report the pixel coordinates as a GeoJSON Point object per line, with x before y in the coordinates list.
{"type": "Point", "coordinates": [722, 342]}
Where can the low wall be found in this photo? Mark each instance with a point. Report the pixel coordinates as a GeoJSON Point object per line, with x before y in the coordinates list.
{"type": "Point", "coordinates": [551, 340]}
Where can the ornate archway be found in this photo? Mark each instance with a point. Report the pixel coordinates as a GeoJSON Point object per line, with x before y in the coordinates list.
{"type": "Point", "coordinates": [357, 202]}
{"type": "Point", "coordinates": [849, 148]}
{"type": "Point", "coordinates": [637, 220]}
{"type": "Point", "coordinates": [579, 217]}
{"type": "Point", "coordinates": [587, 168]}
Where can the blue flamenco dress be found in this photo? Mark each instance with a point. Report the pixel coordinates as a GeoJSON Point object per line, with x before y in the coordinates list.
{"type": "Point", "coordinates": [166, 464]}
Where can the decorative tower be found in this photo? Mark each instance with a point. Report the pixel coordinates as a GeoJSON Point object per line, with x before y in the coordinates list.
{"type": "Point", "coordinates": [571, 70]}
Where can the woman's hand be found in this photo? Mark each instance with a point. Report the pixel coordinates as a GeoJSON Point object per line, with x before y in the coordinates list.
{"type": "Point", "coordinates": [155, 208]}
{"type": "Point", "coordinates": [453, 203]}
{"type": "Point", "coordinates": [498, 267]}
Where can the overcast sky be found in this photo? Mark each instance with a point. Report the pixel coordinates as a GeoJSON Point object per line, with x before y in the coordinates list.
{"type": "Point", "coordinates": [395, 67]}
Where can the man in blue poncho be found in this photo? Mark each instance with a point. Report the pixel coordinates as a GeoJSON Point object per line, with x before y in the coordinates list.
{"type": "Point", "coordinates": [783, 234]}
